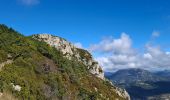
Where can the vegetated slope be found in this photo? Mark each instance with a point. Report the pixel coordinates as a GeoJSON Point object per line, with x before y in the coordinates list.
{"type": "Point", "coordinates": [40, 72]}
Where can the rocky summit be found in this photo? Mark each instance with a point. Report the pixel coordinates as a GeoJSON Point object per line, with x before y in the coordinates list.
{"type": "Point", "coordinates": [46, 67]}
{"type": "Point", "coordinates": [70, 51]}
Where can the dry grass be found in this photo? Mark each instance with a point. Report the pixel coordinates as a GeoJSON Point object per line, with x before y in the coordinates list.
{"type": "Point", "coordinates": [7, 96]}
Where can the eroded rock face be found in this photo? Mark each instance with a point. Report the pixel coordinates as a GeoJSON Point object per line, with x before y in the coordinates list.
{"type": "Point", "coordinates": [70, 51]}
{"type": "Point", "coordinates": [121, 92]}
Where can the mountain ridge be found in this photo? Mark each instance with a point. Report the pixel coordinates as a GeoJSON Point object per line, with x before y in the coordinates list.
{"type": "Point", "coordinates": [132, 75]}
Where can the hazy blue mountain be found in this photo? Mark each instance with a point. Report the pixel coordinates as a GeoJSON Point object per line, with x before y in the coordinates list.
{"type": "Point", "coordinates": [133, 75]}
{"type": "Point", "coordinates": [108, 74]}
{"type": "Point", "coordinates": [165, 73]}
{"type": "Point", "coordinates": [143, 92]}
{"type": "Point", "coordinates": [140, 83]}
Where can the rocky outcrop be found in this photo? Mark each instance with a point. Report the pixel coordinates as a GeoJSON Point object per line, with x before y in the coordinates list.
{"type": "Point", "coordinates": [121, 92]}
{"type": "Point", "coordinates": [70, 51]}
{"type": "Point", "coordinates": [5, 63]}
{"type": "Point", "coordinates": [16, 87]}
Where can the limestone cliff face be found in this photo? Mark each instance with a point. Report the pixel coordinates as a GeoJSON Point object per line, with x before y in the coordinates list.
{"type": "Point", "coordinates": [70, 51]}
{"type": "Point", "coordinates": [123, 93]}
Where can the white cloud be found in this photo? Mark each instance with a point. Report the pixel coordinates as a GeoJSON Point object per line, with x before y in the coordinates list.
{"type": "Point", "coordinates": [122, 45]}
{"type": "Point", "coordinates": [168, 53]}
{"type": "Point", "coordinates": [118, 54]}
{"type": "Point", "coordinates": [29, 2]}
{"type": "Point", "coordinates": [147, 56]}
{"type": "Point", "coordinates": [78, 45]}
{"type": "Point", "coordinates": [155, 34]}
{"type": "Point", "coordinates": [155, 51]}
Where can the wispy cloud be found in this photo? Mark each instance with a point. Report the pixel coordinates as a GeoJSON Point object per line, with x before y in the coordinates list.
{"type": "Point", "coordinates": [155, 34]}
{"type": "Point", "coordinates": [29, 2]}
{"type": "Point", "coordinates": [78, 45]}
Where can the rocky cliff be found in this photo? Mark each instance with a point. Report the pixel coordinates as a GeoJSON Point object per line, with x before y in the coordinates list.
{"type": "Point", "coordinates": [71, 52]}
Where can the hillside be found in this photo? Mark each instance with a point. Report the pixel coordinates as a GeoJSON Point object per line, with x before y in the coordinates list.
{"type": "Point", "coordinates": [33, 69]}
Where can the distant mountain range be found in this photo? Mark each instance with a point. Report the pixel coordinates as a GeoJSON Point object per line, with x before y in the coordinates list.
{"type": "Point", "coordinates": [141, 84]}
{"type": "Point", "coordinates": [165, 73]}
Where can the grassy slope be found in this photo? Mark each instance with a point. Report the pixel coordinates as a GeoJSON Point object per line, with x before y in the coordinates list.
{"type": "Point", "coordinates": [43, 72]}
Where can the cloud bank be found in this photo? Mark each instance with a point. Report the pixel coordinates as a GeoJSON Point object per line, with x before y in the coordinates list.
{"type": "Point", "coordinates": [115, 54]}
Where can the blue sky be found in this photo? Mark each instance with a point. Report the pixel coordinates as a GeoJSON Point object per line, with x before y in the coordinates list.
{"type": "Point", "coordinates": [89, 21]}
